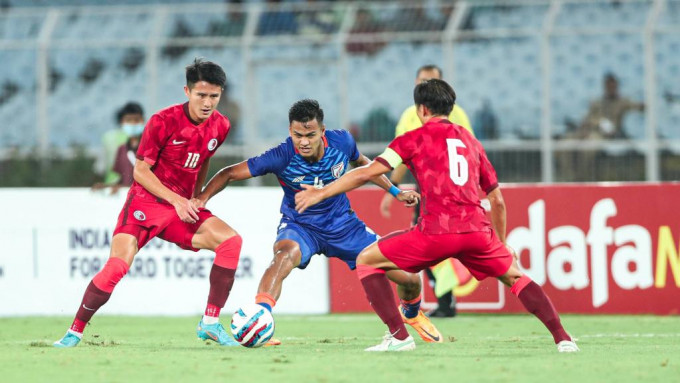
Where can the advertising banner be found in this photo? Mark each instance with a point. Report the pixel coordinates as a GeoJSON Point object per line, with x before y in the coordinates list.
{"type": "Point", "coordinates": [55, 241]}
{"type": "Point", "coordinates": [595, 248]}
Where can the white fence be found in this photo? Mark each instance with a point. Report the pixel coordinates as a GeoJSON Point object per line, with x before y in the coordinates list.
{"type": "Point", "coordinates": [535, 64]}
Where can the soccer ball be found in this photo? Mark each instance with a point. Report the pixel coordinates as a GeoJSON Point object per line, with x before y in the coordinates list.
{"type": "Point", "coordinates": [252, 325]}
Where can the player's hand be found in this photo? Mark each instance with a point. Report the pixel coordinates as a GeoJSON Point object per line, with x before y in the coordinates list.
{"type": "Point", "coordinates": [385, 205]}
{"type": "Point", "coordinates": [186, 210]}
{"type": "Point", "coordinates": [410, 197]}
{"type": "Point", "coordinates": [199, 203]}
{"type": "Point", "coordinates": [307, 197]}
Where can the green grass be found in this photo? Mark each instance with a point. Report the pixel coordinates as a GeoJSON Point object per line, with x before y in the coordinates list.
{"type": "Point", "coordinates": [479, 348]}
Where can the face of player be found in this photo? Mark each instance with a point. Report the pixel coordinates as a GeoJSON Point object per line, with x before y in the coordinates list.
{"type": "Point", "coordinates": [429, 74]}
{"type": "Point", "coordinates": [308, 138]}
{"type": "Point", "coordinates": [203, 99]}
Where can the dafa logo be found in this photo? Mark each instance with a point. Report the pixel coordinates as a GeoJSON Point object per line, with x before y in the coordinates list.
{"type": "Point", "coordinates": [580, 258]}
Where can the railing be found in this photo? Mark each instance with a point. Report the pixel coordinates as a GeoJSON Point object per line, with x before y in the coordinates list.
{"type": "Point", "coordinates": [359, 60]}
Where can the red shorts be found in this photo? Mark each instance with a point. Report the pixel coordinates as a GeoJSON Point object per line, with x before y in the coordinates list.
{"type": "Point", "coordinates": [145, 219]}
{"type": "Point", "coordinates": [481, 252]}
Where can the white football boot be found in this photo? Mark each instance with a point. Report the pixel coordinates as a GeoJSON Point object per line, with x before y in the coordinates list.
{"type": "Point", "coordinates": [567, 346]}
{"type": "Point", "coordinates": [391, 343]}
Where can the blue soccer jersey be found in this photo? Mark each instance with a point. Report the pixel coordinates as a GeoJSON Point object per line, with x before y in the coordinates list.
{"type": "Point", "coordinates": [330, 227]}
{"type": "Point", "coordinates": [292, 170]}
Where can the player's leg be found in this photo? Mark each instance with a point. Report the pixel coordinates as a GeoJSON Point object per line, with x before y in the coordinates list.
{"type": "Point", "coordinates": [287, 256]}
{"type": "Point", "coordinates": [487, 256]}
{"type": "Point", "coordinates": [98, 292]}
{"type": "Point", "coordinates": [537, 302]}
{"type": "Point", "coordinates": [409, 289]}
{"type": "Point", "coordinates": [371, 268]}
{"type": "Point", "coordinates": [214, 234]}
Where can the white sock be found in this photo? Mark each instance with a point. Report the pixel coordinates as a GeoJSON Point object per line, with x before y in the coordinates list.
{"type": "Point", "coordinates": [78, 334]}
{"type": "Point", "coordinates": [210, 320]}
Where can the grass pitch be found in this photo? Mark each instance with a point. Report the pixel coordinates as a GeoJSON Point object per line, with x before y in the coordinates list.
{"type": "Point", "coordinates": [479, 348]}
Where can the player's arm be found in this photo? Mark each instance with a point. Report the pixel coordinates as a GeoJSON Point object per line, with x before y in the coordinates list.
{"type": "Point", "coordinates": [236, 172]}
{"type": "Point", "coordinates": [356, 177]}
{"type": "Point", "coordinates": [186, 211]}
{"type": "Point", "coordinates": [202, 174]}
{"type": "Point", "coordinates": [351, 180]}
{"type": "Point", "coordinates": [382, 181]}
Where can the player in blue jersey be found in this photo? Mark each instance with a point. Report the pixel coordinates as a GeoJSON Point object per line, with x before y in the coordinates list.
{"type": "Point", "coordinates": [315, 156]}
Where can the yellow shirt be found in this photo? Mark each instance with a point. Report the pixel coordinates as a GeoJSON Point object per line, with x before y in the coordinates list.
{"type": "Point", "coordinates": [409, 120]}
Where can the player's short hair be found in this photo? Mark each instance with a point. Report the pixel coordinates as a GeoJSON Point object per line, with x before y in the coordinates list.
{"type": "Point", "coordinates": [305, 110]}
{"type": "Point", "coordinates": [430, 67]}
{"type": "Point", "coordinates": [437, 95]}
{"type": "Point", "coordinates": [208, 71]}
{"type": "Point", "coordinates": [129, 108]}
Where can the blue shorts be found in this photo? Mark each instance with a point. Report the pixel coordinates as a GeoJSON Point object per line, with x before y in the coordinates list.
{"type": "Point", "coordinates": [344, 242]}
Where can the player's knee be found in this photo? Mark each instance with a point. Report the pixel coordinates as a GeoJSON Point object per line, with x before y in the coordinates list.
{"type": "Point", "coordinates": [227, 253]}
{"type": "Point", "coordinates": [287, 257]}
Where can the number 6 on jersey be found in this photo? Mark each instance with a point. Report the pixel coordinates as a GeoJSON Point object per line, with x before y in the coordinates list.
{"type": "Point", "coordinates": [458, 165]}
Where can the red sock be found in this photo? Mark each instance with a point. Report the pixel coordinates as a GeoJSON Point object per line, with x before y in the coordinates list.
{"type": "Point", "coordinates": [536, 302]}
{"type": "Point", "coordinates": [93, 299]}
{"type": "Point", "coordinates": [381, 297]}
{"type": "Point", "coordinates": [222, 274]}
{"type": "Point", "coordinates": [99, 291]}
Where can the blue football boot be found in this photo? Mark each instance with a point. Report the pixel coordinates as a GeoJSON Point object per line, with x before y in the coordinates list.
{"type": "Point", "coordinates": [216, 333]}
{"type": "Point", "coordinates": [71, 339]}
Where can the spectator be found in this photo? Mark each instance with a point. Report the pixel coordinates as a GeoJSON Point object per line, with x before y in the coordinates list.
{"type": "Point", "coordinates": [486, 123]}
{"type": "Point", "coordinates": [117, 143]}
{"type": "Point", "coordinates": [605, 116]}
{"type": "Point", "coordinates": [364, 24]}
{"type": "Point", "coordinates": [603, 121]}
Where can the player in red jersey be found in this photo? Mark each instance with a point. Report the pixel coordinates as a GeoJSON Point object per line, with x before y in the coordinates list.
{"type": "Point", "coordinates": [450, 166]}
{"type": "Point", "coordinates": [172, 164]}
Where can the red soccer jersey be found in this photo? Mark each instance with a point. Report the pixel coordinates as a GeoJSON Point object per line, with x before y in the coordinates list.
{"type": "Point", "coordinates": [450, 166]}
{"type": "Point", "coordinates": [176, 148]}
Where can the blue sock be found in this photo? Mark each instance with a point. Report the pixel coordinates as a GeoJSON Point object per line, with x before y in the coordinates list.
{"type": "Point", "coordinates": [410, 310]}
{"type": "Point", "coordinates": [268, 307]}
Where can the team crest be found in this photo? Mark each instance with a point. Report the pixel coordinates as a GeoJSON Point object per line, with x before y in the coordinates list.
{"type": "Point", "coordinates": [212, 144]}
{"type": "Point", "coordinates": [139, 215]}
{"type": "Point", "coordinates": [338, 169]}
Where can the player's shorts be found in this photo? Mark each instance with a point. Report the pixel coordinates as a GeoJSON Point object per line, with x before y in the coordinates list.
{"type": "Point", "coordinates": [481, 252]}
{"type": "Point", "coordinates": [344, 242]}
{"type": "Point", "coordinates": [145, 219]}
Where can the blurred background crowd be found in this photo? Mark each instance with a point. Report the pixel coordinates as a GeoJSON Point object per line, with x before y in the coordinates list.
{"type": "Point", "coordinates": [557, 91]}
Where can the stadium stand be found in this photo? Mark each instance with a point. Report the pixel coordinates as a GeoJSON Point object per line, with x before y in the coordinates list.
{"type": "Point", "coordinates": [103, 54]}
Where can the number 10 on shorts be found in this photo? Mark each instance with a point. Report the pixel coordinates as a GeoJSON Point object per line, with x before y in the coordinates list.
{"type": "Point", "coordinates": [458, 165]}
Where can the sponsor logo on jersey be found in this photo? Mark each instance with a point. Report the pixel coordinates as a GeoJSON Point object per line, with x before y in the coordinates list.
{"type": "Point", "coordinates": [175, 142]}
{"type": "Point", "coordinates": [212, 144]}
{"type": "Point", "coordinates": [298, 179]}
{"type": "Point", "coordinates": [338, 169]}
{"type": "Point", "coordinates": [139, 215]}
